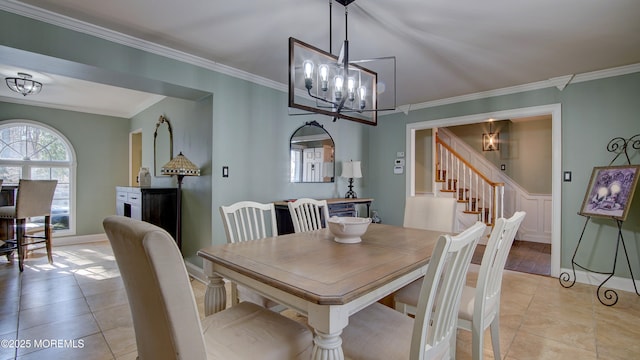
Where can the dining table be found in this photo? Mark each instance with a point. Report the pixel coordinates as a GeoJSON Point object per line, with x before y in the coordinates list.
{"type": "Point", "coordinates": [319, 278]}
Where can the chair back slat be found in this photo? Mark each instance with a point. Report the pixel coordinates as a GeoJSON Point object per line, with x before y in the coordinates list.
{"type": "Point", "coordinates": [489, 283]}
{"type": "Point", "coordinates": [308, 214]}
{"type": "Point", "coordinates": [249, 220]}
{"type": "Point", "coordinates": [437, 310]}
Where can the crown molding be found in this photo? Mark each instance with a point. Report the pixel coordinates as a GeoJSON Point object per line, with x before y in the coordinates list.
{"type": "Point", "coordinates": [560, 82]}
{"type": "Point", "coordinates": [36, 13]}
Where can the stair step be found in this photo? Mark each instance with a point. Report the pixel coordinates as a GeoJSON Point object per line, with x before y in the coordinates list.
{"type": "Point", "coordinates": [448, 191]}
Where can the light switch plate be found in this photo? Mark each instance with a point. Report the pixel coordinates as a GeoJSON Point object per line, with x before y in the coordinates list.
{"type": "Point", "coordinates": [225, 171]}
{"type": "Point", "coordinates": [566, 176]}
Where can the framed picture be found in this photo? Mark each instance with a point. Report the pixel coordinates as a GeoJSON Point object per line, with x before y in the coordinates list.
{"type": "Point", "coordinates": [610, 191]}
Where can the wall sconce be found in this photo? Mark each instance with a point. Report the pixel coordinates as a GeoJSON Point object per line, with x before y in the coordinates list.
{"type": "Point", "coordinates": [490, 141]}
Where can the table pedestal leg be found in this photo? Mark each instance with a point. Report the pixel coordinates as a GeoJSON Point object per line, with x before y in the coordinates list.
{"type": "Point", "coordinates": [215, 298]}
{"type": "Point", "coordinates": [327, 346]}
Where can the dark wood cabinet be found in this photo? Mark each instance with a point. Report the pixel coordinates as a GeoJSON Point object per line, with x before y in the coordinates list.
{"type": "Point", "coordinates": [158, 206]}
{"type": "Point", "coordinates": [337, 207]}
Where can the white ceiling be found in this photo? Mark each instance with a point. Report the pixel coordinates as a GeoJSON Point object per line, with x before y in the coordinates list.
{"type": "Point", "coordinates": [443, 48]}
{"type": "Point", "coordinates": [67, 93]}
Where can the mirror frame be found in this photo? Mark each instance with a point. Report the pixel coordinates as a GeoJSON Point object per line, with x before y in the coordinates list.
{"type": "Point", "coordinates": [156, 167]}
{"type": "Point", "coordinates": [333, 144]}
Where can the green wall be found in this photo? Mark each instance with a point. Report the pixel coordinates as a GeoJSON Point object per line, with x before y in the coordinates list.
{"type": "Point", "coordinates": [525, 150]}
{"type": "Point", "coordinates": [593, 112]}
{"type": "Point", "coordinates": [191, 127]}
{"type": "Point", "coordinates": [101, 145]}
{"type": "Point", "coordinates": [239, 124]}
{"type": "Point", "coordinates": [247, 127]}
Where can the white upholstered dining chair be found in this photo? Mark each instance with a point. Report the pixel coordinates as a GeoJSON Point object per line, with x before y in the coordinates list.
{"type": "Point", "coordinates": [379, 332]}
{"type": "Point", "coordinates": [308, 214]}
{"type": "Point", "coordinates": [430, 213]}
{"type": "Point", "coordinates": [480, 305]}
{"type": "Point", "coordinates": [164, 311]}
{"type": "Point", "coordinates": [34, 199]}
{"type": "Point", "coordinates": [245, 221]}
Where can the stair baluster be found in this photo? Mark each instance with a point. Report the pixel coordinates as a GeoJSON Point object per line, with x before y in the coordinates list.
{"type": "Point", "coordinates": [481, 196]}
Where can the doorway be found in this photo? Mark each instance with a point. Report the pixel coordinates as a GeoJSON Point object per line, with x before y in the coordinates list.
{"type": "Point", "coordinates": [553, 110]}
{"type": "Point", "coordinates": [135, 156]}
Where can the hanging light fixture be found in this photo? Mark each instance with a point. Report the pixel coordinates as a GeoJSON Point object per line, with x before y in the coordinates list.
{"type": "Point", "coordinates": [490, 141]}
{"type": "Point", "coordinates": [323, 83]}
{"type": "Point", "coordinates": [24, 84]}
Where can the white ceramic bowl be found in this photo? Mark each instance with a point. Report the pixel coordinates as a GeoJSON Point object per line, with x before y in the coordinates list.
{"type": "Point", "coordinates": [347, 230]}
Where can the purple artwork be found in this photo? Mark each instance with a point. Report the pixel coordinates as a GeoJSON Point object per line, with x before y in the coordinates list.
{"type": "Point", "coordinates": [610, 191]}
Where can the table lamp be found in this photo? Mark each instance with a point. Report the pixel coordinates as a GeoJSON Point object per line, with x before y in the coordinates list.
{"type": "Point", "coordinates": [350, 170]}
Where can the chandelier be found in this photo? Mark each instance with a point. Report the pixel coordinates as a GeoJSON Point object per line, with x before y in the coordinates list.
{"type": "Point", "coordinates": [323, 83]}
{"type": "Point", "coordinates": [23, 84]}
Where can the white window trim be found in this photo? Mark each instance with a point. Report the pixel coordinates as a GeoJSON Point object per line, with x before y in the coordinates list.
{"type": "Point", "coordinates": [72, 164]}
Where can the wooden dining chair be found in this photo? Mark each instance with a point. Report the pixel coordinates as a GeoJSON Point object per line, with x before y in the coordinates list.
{"type": "Point", "coordinates": [480, 305]}
{"type": "Point", "coordinates": [308, 214]}
{"type": "Point", "coordinates": [164, 311]}
{"type": "Point", "coordinates": [430, 213]}
{"type": "Point", "coordinates": [246, 221]}
{"type": "Point", "coordinates": [380, 332]}
{"type": "Point", "coordinates": [34, 200]}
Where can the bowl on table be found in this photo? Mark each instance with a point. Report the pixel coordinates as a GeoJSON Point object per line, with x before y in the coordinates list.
{"type": "Point", "coordinates": [348, 230]}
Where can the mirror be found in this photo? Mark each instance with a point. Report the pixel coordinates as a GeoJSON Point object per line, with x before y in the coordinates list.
{"type": "Point", "coordinates": [312, 154]}
{"type": "Point", "coordinates": [162, 144]}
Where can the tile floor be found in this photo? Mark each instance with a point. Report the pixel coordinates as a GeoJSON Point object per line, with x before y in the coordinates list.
{"type": "Point", "coordinates": [524, 256]}
{"type": "Point", "coordinates": [77, 309]}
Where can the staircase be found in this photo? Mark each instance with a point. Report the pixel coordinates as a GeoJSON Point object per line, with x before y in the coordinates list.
{"type": "Point", "coordinates": [479, 198]}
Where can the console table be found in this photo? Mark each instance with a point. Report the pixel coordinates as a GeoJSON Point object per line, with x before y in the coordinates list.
{"type": "Point", "coordinates": [337, 207]}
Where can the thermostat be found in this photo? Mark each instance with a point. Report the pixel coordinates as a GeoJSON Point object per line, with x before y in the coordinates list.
{"type": "Point", "coordinates": [398, 169]}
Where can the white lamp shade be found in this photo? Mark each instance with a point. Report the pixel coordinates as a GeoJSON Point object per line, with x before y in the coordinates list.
{"type": "Point", "coordinates": [351, 169]}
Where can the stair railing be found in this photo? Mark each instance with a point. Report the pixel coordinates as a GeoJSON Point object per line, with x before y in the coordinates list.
{"type": "Point", "coordinates": [480, 195]}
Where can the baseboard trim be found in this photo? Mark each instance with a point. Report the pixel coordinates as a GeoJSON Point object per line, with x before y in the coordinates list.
{"type": "Point", "coordinates": [196, 272]}
{"type": "Point", "coordinates": [75, 240]}
{"type": "Point", "coordinates": [589, 278]}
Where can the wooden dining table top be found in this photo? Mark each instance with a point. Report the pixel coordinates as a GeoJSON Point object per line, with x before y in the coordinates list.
{"type": "Point", "coordinates": [312, 266]}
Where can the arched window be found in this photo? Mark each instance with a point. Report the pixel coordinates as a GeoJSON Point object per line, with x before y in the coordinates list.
{"type": "Point", "coordinates": [31, 150]}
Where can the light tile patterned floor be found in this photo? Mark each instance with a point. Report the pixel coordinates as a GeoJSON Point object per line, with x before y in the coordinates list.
{"type": "Point", "coordinates": [77, 309]}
